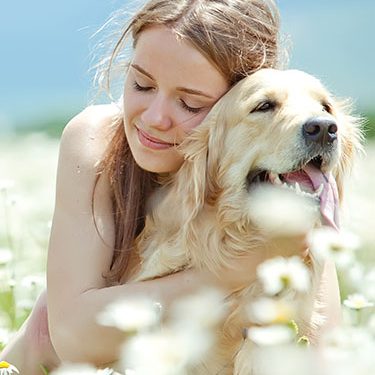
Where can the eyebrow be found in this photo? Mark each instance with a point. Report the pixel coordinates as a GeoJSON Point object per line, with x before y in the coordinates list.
{"type": "Point", "coordinates": [183, 89]}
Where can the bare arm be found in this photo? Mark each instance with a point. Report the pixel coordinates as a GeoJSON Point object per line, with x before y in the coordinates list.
{"type": "Point", "coordinates": [78, 256]}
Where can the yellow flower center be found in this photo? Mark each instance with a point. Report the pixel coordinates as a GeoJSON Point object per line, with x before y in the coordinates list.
{"type": "Point", "coordinates": [4, 364]}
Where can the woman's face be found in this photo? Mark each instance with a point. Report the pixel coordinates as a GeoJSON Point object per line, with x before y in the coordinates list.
{"type": "Point", "coordinates": [169, 89]}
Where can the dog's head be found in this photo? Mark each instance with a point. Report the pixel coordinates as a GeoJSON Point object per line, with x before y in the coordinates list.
{"type": "Point", "coordinates": [280, 127]}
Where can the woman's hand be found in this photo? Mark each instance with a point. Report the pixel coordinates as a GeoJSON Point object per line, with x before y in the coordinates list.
{"type": "Point", "coordinates": [31, 347]}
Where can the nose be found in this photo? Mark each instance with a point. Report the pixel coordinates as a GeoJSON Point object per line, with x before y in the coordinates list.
{"type": "Point", "coordinates": [157, 113]}
{"type": "Point", "coordinates": [320, 130]}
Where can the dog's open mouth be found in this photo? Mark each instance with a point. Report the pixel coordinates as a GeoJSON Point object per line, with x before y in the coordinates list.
{"type": "Point", "coordinates": [310, 182]}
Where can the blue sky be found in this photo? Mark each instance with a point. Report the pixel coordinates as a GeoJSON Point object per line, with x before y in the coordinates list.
{"type": "Point", "coordinates": [45, 51]}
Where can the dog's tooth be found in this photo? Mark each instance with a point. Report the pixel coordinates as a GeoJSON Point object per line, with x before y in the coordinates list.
{"type": "Point", "coordinates": [298, 188]}
{"type": "Point", "coordinates": [277, 180]}
{"type": "Point", "coordinates": [271, 177]}
{"type": "Point", "coordinates": [274, 178]}
{"type": "Point", "coordinates": [319, 191]}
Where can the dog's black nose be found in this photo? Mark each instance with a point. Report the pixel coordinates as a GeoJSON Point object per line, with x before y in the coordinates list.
{"type": "Point", "coordinates": [321, 130]}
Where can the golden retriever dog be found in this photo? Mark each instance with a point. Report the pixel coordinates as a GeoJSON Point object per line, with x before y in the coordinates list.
{"type": "Point", "coordinates": [272, 127]}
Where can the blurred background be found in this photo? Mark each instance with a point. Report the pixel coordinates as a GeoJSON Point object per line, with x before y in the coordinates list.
{"type": "Point", "coordinates": [47, 50]}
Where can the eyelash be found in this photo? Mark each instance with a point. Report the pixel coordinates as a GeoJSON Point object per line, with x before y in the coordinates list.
{"type": "Point", "coordinates": [140, 88]}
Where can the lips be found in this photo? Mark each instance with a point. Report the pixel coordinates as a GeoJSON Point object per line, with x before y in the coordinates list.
{"type": "Point", "coordinates": [152, 142]}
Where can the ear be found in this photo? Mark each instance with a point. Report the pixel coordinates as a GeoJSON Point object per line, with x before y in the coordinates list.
{"type": "Point", "coordinates": [351, 142]}
{"type": "Point", "coordinates": [196, 182]}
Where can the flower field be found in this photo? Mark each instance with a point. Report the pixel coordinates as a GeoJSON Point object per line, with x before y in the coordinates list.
{"type": "Point", "coordinates": [27, 180]}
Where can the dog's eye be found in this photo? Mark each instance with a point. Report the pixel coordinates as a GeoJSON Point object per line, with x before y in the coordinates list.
{"type": "Point", "coordinates": [327, 107]}
{"type": "Point", "coordinates": [267, 105]}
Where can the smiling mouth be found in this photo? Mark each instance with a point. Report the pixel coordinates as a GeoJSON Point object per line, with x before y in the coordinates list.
{"type": "Point", "coordinates": [151, 142]}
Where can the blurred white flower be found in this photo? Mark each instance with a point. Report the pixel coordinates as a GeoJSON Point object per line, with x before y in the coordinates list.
{"type": "Point", "coordinates": [11, 282]}
{"type": "Point", "coordinates": [357, 302]}
{"type": "Point", "coordinates": [6, 184]}
{"type": "Point", "coordinates": [25, 303]}
{"type": "Point", "coordinates": [347, 338]}
{"type": "Point", "coordinates": [325, 242]}
{"type": "Point", "coordinates": [5, 335]}
{"type": "Point", "coordinates": [282, 211]}
{"type": "Point", "coordinates": [279, 274]}
{"type": "Point", "coordinates": [271, 311]}
{"type": "Point", "coordinates": [130, 315]}
{"type": "Point", "coordinates": [28, 289]}
{"type": "Point", "coordinates": [34, 282]}
{"type": "Point", "coordinates": [12, 200]}
{"type": "Point", "coordinates": [367, 286]}
{"type": "Point", "coordinates": [282, 360]}
{"type": "Point", "coordinates": [167, 352]}
{"type": "Point", "coordinates": [105, 371]}
{"type": "Point", "coordinates": [348, 351]}
{"type": "Point", "coordinates": [81, 369]}
{"type": "Point", "coordinates": [6, 255]}
{"type": "Point", "coordinates": [354, 275]}
{"type": "Point", "coordinates": [271, 335]}
{"type": "Point", "coordinates": [7, 369]}
{"type": "Point", "coordinates": [203, 309]}
{"type": "Point", "coordinates": [182, 340]}
{"type": "Point", "coordinates": [371, 324]}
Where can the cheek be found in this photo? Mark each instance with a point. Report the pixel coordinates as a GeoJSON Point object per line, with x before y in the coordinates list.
{"type": "Point", "coordinates": [128, 101]}
{"type": "Point", "coordinates": [189, 125]}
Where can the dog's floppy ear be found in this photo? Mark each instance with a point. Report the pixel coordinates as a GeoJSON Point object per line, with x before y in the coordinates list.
{"type": "Point", "coordinates": [352, 141]}
{"type": "Point", "coordinates": [197, 180]}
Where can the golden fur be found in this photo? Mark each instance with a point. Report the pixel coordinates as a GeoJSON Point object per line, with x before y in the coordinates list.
{"type": "Point", "coordinates": [201, 217]}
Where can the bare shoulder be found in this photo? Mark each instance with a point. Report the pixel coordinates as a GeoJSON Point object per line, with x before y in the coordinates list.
{"type": "Point", "coordinates": [87, 135]}
{"type": "Point", "coordinates": [82, 232]}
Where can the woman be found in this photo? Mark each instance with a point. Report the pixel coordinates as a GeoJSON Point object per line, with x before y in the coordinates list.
{"type": "Point", "coordinates": [186, 55]}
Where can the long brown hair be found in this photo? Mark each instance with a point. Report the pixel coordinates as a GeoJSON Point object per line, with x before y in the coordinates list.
{"type": "Point", "coordinates": [238, 37]}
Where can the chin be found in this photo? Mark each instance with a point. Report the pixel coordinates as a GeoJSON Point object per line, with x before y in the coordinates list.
{"type": "Point", "coordinates": [154, 163]}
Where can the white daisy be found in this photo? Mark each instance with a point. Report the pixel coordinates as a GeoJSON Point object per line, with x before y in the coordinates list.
{"type": "Point", "coordinates": [6, 184]}
{"type": "Point", "coordinates": [367, 286]}
{"type": "Point", "coordinates": [271, 335]}
{"type": "Point", "coordinates": [164, 352]}
{"type": "Point", "coordinates": [7, 369]}
{"type": "Point", "coordinates": [6, 255]}
{"type": "Point", "coordinates": [357, 301]}
{"type": "Point", "coordinates": [131, 315]}
{"type": "Point", "coordinates": [279, 274]}
{"type": "Point", "coordinates": [281, 211]}
{"type": "Point", "coordinates": [81, 369]}
{"type": "Point", "coordinates": [371, 324]}
{"type": "Point", "coordinates": [5, 335]}
{"type": "Point", "coordinates": [37, 281]}
{"type": "Point", "coordinates": [325, 242]}
{"type": "Point", "coordinates": [203, 309]}
{"type": "Point", "coordinates": [348, 351]}
{"type": "Point", "coordinates": [270, 311]}
{"type": "Point", "coordinates": [168, 352]}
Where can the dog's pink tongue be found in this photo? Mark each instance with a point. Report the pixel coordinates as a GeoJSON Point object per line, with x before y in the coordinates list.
{"type": "Point", "coordinates": [312, 178]}
{"type": "Point", "coordinates": [329, 202]}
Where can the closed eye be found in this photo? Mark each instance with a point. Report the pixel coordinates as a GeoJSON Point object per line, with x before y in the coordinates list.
{"type": "Point", "coordinates": [138, 87]}
{"type": "Point", "coordinates": [265, 106]}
